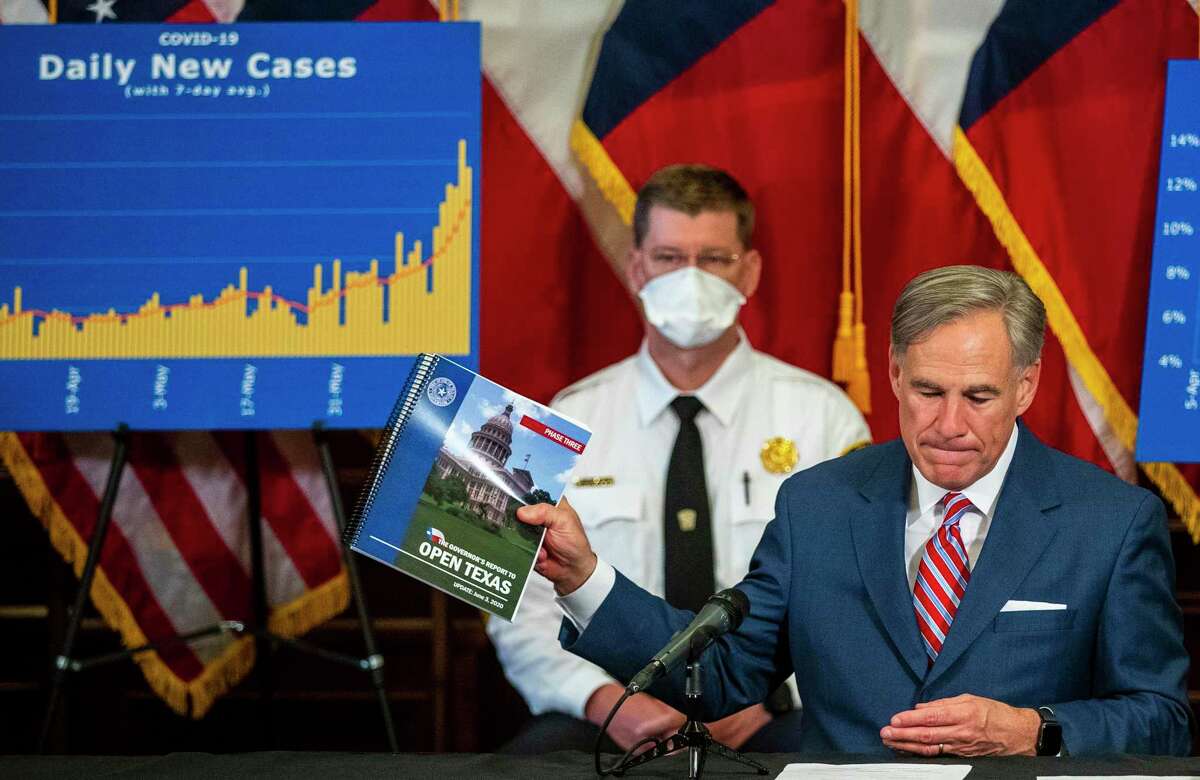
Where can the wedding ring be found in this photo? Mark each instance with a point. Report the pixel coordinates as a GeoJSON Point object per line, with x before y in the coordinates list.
{"type": "Point", "coordinates": [941, 748]}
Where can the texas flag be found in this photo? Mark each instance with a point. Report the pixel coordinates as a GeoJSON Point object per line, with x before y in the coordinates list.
{"type": "Point", "coordinates": [435, 536]}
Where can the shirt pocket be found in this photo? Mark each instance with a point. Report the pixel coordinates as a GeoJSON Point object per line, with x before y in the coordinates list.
{"type": "Point", "coordinates": [616, 526]}
{"type": "Point", "coordinates": [1034, 620]}
{"type": "Point", "coordinates": [748, 520]}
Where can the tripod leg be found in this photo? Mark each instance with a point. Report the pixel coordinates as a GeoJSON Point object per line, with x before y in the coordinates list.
{"type": "Point", "coordinates": [263, 646]}
{"type": "Point", "coordinates": [733, 755]}
{"type": "Point", "coordinates": [63, 661]}
{"type": "Point", "coordinates": [374, 661]}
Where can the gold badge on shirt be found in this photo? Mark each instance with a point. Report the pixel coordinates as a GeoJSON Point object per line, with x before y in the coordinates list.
{"type": "Point", "coordinates": [686, 519]}
{"type": "Point", "coordinates": [779, 455]}
{"type": "Point", "coordinates": [594, 482]}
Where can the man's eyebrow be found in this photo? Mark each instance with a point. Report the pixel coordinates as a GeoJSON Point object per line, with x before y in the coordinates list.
{"type": "Point", "coordinates": [981, 389]}
{"type": "Point", "coordinates": [984, 389]}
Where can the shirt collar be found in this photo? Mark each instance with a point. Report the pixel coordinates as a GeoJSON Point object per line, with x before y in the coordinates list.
{"type": "Point", "coordinates": [982, 494]}
{"type": "Point", "coordinates": [721, 394]}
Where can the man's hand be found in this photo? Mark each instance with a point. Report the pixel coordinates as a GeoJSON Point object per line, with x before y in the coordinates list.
{"type": "Point", "coordinates": [964, 725]}
{"type": "Point", "coordinates": [566, 558]}
{"type": "Point", "coordinates": [733, 730]}
{"type": "Point", "coordinates": [640, 717]}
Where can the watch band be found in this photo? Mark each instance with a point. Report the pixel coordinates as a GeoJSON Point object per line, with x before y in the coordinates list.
{"type": "Point", "coordinates": [1049, 740]}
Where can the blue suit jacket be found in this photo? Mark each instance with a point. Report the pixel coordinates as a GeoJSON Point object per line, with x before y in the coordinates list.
{"type": "Point", "coordinates": [830, 600]}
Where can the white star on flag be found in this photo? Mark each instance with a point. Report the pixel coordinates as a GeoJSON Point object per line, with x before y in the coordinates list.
{"type": "Point", "coordinates": [103, 10]}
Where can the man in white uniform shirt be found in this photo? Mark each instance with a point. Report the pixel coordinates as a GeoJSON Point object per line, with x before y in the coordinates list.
{"type": "Point", "coordinates": [756, 420]}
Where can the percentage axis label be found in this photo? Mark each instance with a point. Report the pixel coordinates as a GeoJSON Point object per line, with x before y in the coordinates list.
{"type": "Point", "coordinates": [1174, 317]}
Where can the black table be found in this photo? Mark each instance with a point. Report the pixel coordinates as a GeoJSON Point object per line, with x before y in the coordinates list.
{"type": "Point", "coordinates": [451, 766]}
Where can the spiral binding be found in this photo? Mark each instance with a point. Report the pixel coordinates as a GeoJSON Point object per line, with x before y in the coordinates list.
{"type": "Point", "coordinates": [415, 385]}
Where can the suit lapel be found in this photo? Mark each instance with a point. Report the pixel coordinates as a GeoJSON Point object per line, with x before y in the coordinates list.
{"type": "Point", "coordinates": [1018, 536]}
{"type": "Point", "coordinates": [878, 534]}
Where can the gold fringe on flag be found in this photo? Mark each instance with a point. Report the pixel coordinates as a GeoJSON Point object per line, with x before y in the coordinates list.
{"type": "Point", "coordinates": [608, 177]}
{"type": "Point", "coordinates": [1117, 412]}
{"type": "Point", "coordinates": [222, 673]}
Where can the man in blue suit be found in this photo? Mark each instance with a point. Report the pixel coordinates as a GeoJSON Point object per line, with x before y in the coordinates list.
{"type": "Point", "coordinates": [965, 590]}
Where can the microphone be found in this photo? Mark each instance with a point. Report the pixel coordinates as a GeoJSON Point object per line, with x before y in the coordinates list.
{"type": "Point", "coordinates": [722, 613]}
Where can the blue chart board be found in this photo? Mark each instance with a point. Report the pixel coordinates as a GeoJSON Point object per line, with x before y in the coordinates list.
{"type": "Point", "coordinates": [1169, 427]}
{"type": "Point", "coordinates": [251, 226]}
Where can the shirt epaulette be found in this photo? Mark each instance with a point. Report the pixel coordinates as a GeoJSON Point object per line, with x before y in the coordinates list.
{"type": "Point", "coordinates": [592, 380]}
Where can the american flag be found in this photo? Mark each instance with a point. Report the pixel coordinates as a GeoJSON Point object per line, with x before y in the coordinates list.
{"type": "Point", "coordinates": [176, 557]}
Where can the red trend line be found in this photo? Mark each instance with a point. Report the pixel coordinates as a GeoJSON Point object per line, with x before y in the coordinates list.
{"type": "Point", "coordinates": [255, 294]}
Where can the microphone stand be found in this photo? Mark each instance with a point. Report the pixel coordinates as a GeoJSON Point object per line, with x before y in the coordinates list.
{"type": "Point", "coordinates": [694, 735]}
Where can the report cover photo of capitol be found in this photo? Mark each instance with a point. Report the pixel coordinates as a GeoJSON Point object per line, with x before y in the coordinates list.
{"type": "Point", "coordinates": [459, 454]}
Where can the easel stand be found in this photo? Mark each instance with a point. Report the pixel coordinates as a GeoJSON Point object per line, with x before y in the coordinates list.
{"type": "Point", "coordinates": [265, 641]}
{"type": "Point", "coordinates": [694, 736]}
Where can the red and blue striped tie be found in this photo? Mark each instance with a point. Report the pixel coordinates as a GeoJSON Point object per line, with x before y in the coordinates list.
{"type": "Point", "coordinates": [942, 577]}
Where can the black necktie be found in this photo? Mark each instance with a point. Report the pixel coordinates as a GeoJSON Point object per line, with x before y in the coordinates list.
{"type": "Point", "coordinates": [687, 527]}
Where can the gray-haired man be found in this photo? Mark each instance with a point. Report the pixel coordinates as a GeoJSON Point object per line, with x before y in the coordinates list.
{"type": "Point", "coordinates": [964, 590]}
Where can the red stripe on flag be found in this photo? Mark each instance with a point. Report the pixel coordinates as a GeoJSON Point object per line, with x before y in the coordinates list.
{"type": "Point", "coordinates": [195, 12]}
{"type": "Point", "coordinates": [571, 304]}
{"type": "Point", "coordinates": [81, 507]}
{"type": "Point", "coordinates": [400, 11]}
{"type": "Point", "coordinates": [210, 560]}
{"type": "Point", "coordinates": [293, 519]}
{"type": "Point", "coordinates": [285, 508]}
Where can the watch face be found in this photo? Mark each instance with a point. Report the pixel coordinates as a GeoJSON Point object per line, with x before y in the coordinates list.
{"type": "Point", "coordinates": [1049, 737]}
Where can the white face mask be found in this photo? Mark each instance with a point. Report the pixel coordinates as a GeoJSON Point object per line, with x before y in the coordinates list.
{"type": "Point", "coordinates": [690, 307]}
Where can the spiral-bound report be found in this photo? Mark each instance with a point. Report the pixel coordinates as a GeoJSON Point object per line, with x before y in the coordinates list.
{"type": "Point", "coordinates": [459, 454]}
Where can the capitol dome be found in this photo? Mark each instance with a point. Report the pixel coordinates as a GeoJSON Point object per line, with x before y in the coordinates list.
{"type": "Point", "coordinates": [502, 423]}
{"type": "Point", "coordinates": [494, 440]}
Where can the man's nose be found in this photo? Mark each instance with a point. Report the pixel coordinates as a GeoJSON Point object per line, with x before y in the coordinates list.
{"type": "Point", "coordinates": [951, 419]}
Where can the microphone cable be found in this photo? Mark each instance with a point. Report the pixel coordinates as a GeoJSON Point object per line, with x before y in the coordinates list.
{"type": "Point", "coordinates": [616, 768]}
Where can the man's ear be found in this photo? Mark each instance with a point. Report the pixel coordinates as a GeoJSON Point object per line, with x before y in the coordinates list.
{"type": "Point", "coordinates": [752, 273]}
{"type": "Point", "coordinates": [1027, 385]}
{"type": "Point", "coordinates": [635, 270]}
{"type": "Point", "coordinates": [894, 372]}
